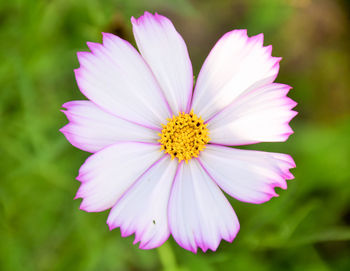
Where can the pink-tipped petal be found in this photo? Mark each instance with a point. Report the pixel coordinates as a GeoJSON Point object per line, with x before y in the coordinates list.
{"type": "Point", "coordinates": [261, 115]}
{"type": "Point", "coordinates": [236, 64]}
{"type": "Point", "coordinates": [166, 53]}
{"type": "Point", "coordinates": [115, 77]}
{"type": "Point", "coordinates": [91, 129]}
{"type": "Point", "coordinates": [199, 213]}
{"type": "Point", "coordinates": [143, 208]}
{"type": "Point", "coordinates": [247, 175]}
{"type": "Point", "coordinates": [107, 174]}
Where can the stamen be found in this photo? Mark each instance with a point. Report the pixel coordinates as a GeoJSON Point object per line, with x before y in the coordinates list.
{"type": "Point", "coordinates": [184, 136]}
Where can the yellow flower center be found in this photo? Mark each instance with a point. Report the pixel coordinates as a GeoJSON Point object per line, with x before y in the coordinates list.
{"type": "Point", "coordinates": [184, 136]}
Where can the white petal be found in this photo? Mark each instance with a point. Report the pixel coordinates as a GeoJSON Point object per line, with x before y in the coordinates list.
{"type": "Point", "coordinates": [235, 65]}
{"type": "Point", "coordinates": [116, 78]}
{"type": "Point", "coordinates": [143, 208]}
{"type": "Point", "coordinates": [260, 115]}
{"type": "Point", "coordinates": [107, 174]}
{"type": "Point", "coordinates": [91, 129]}
{"type": "Point", "coordinates": [166, 53]}
{"type": "Point", "coordinates": [246, 175]}
{"type": "Point", "coordinates": [199, 213]}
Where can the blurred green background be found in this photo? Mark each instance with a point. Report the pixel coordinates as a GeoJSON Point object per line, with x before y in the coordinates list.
{"type": "Point", "coordinates": [42, 228]}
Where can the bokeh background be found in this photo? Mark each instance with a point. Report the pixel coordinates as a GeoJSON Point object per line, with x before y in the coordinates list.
{"type": "Point", "coordinates": [41, 226]}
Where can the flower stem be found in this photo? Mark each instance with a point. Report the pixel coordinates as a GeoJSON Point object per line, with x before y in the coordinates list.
{"type": "Point", "coordinates": [167, 257]}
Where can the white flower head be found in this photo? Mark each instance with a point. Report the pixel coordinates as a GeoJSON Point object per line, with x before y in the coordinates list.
{"type": "Point", "coordinates": [160, 149]}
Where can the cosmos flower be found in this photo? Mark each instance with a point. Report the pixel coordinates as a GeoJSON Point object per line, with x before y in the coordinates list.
{"type": "Point", "coordinates": [161, 155]}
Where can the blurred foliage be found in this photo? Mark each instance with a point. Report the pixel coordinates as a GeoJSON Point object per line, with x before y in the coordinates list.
{"type": "Point", "coordinates": [42, 228]}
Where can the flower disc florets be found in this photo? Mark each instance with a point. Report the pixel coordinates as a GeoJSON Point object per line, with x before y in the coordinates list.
{"type": "Point", "coordinates": [184, 136]}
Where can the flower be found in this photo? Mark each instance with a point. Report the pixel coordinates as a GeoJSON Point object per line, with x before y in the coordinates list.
{"type": "Point", "coordinates": [160, 149]}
